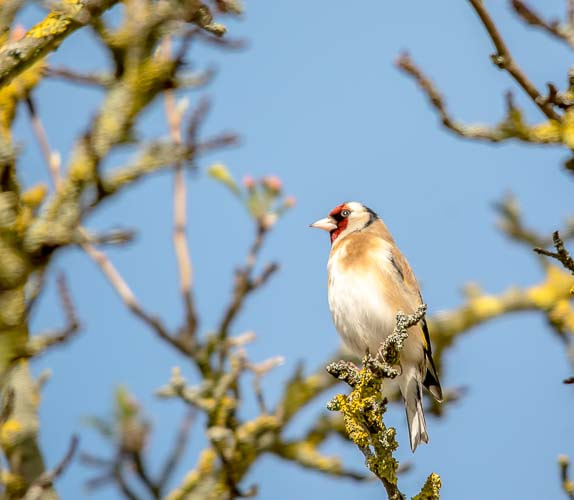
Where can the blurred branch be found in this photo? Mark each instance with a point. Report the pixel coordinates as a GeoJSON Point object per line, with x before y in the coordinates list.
{"type": "Point", "coordinates": [504, 60]}
{"type": "Point", "coordinates": [39, 343]}
{"type": "Point", "coordinates": [510, 222]}
{"type": "Point", "coordinates": [38, 488]}
{"type": "Point", "coordinates": [52, 158]}
{"type": "Point", "coordinates": [561, 254]}
{"type": "Point", "coordinates": [178, 449]}
{"type": "Point", "coordinates": [512, 127]}
{"type": "Point", "coordinates": [94, 79]}
{"type": "Point", "coordinates": [564, 33]}
{"type": "Point", "coordinates": [180, 243]}
{"type": "Point", "coordinates": [123, 290]}
{"type": "Point", "coordinates": [567, 483]}
{"type": "Point", "coordinates": [61, 22]}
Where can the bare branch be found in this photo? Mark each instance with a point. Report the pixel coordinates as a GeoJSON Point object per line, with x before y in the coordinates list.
{"type": "Point", "coordinates": [129, 299]}
{"type": "Point", "coordinates": [567, 483]}
{"type": "Point", "coordinates": [179, 446]}
{"type": "Point", "coordinates": [52, 158]}
{"type": "Point", "coordinates": [512, 127]}
{"type": "Point", "coordinates": [47, 35]}
{"type": "Point", "coordinates": [561, 253]}
{"type": "Point", "coordinates": [46, 480]}
{"type": "Point", "coordinates": [180, 242]}
{"type": "Point", "coordinates": [554, 28]}
{"type": "Point", "coordinates": [503, 59]}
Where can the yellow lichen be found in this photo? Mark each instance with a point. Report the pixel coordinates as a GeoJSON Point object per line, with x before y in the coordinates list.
{"type": "Point", "coordinates": [10, 433]}
{"type": "Point", "coordinates": [35, 195]}
{"type": "Point", "coordinates": [431, 489]}
{"type": "Point", "coordinates": [14, 92]}
{"type": "Point", "coordinates": [487, 306]}
{"type": "Point", "coordinates": [552, 289]}
{"type": "Point", "coordinates": [568, 128]}
{"type": "Point", "coordinates": [57, 21]}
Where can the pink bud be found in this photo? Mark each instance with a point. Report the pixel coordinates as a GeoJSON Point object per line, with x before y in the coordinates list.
{"type": "Point", "coordinates": [273, 183]}
{"type": "Point", "coordinates": [290, 201]}
{"type": "Point", "coordinates": [18, 32]}
{"type": "Point", "coordinates": [248, 182]}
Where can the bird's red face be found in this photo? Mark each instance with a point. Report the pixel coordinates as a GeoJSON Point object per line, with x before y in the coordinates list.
{"type": "Point", "coordinates": [336, 222]}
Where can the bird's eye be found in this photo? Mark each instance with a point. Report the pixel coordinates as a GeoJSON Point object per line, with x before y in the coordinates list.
{"type": "Point", "coordinates": [345, 213]}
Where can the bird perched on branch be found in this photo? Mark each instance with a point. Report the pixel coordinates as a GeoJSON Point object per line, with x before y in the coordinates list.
{"type": "Point", "coordinates": [370, 280]}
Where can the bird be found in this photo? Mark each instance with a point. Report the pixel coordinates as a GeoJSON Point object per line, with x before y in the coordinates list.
{"type": "Point", "coordinates": [369, 281]}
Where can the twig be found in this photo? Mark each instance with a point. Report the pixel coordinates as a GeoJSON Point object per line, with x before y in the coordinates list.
{"type": "Point", "coordinates": [503, 59]}
{"type": "Point", "coordinates": [244, 283]}
{"type": "Point", "coordinates": [180, 242]}
{"type": "Point", "coordinates": [511, 223]}
{"type": "Point", "coordinates": [561, 253]}
{"type": "Point", "coordinates": [117, 475]}
{"type": "Point", "coordinates": [45, 480]}
{"type": "Point", "coordinates": [39, 343]}
{"type": "Point", "coordinates": [405, 63]}
{"type": "Point", "coordinates": [52, 158]}
{"type": "Point", "coordinates": [97, 80]}
{"type": "Point", "coordinates": [143, 474]}
{"type": "Point", "coordinates": [129, 299]}
{"type": "Point", "coordinates": [179, 446]}
{"type": "Point", "coordinates": [567, 483]}
{"type": "Point", "coordinates": [98, 256]}
{"type": "Point", "coordinates": [552, 27]}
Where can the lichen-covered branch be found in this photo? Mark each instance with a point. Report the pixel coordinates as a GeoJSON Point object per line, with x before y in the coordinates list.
{"type": "Point", "coordinates": [363, 408]}
{"type": "Point", "coordinates": [562, 255]}
{"type": "Point", "coordinates": [45, 37]}
{"type": "Point", "coordinates": [567, 483]}
{"type": "Point", "coordinates": [513, 126]}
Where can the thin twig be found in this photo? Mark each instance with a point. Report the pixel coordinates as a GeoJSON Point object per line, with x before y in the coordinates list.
{"type": "Point", "coordinates": [406, 63]}
{"type": "Point", "coordinates": [118, 476]}
{"type": "Point", "coordinates": [567, 483]}
{"type": "Point", "coordinates": [180, 243]}
{"type": "Point", "coordinates": [179, 446]}
{"type": "Point", "coordinates": [45, 480]}
{"type": "Point", "coordinates": [561, 253]}
{"type": "Point", "coordinates": [503, 59]}
{"type": "Point", "coordinates": [143, 474]}
{"type": "Point", "coordinates": [93, 79]}
{"type": "Point", "coordinates": [534, 19]}
{"type": "Point", "coordinates": [52, 158]}
{"type": "Point", "coordinates": [129, 299]}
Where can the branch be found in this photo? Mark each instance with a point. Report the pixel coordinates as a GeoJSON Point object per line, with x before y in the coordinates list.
{"type": "Point", "coordinates": [45, 37]}
{"type": "Point", "coordinates": [511, 223]}
{"type": "Point", "coordinates": [179, 446]}
{"type": "Point", "coordinates": [512, 127]}
{"type": "Point", "coordinates": [567, 483]}
{"type": "Point", "coordinates": [363, 408]}
{"type": "Point", "coordinates": [39, 343]}
{"type": "Point", "coordinates": [180, 242]}
{"type": "Point", "coordinates": [561, 253]}
{"type": "Point", "coordinates": [554, 28]}
{"type": "Point", "coordinates": [129, 299]}
{"type": "Point", "coordinates": [37, 490]}
{"type": "Point", "coordinates": [503, 59]}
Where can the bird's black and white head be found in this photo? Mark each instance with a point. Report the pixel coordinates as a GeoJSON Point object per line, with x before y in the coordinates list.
{"type": "Point", "coordinates": [346, 218]}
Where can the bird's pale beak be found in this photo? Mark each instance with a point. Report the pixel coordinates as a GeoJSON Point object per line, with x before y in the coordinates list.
{"type": "Point", "coordinates": [328, 224]}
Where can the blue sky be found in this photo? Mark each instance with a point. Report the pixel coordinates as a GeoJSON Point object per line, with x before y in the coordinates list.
{"type": "Point", "coordinates": [317, 101]}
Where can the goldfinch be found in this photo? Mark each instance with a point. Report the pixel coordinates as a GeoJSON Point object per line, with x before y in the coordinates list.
{"type": "Point", "coordinates": [370, 280]}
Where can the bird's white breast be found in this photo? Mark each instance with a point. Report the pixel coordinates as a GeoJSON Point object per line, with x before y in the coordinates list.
{"type": "Point", "coordinates": [359, 307]}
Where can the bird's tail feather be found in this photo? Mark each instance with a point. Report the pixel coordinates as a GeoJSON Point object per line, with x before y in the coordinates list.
{"type": "Point", "coordinates": [411, 388]}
